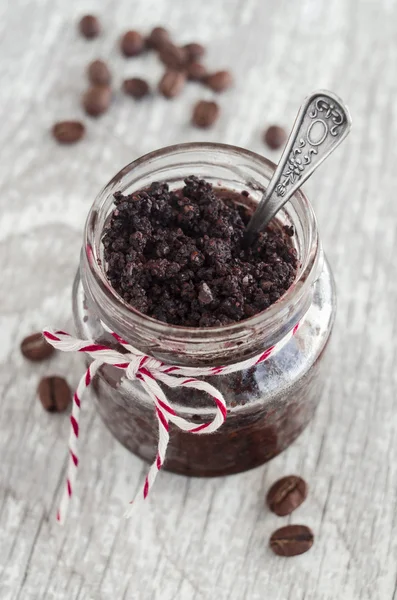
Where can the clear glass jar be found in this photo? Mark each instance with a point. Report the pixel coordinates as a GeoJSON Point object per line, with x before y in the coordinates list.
{"type": "Point", "coordinates": [268, 405]}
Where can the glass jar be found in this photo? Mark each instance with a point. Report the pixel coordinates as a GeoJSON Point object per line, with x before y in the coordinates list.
{"type": "Point", "coordinates": [269, 404]}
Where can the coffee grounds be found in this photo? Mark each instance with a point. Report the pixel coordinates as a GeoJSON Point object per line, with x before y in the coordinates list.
{"type": "Point", "coordinates": [179, 256]}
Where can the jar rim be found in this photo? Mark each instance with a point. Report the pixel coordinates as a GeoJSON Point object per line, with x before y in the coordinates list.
{"type": "Point", "coordinates": [130, 316]}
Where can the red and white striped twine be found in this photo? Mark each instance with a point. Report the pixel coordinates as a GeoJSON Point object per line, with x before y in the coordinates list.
{"type": "Point", "coordinates": [148, 371]}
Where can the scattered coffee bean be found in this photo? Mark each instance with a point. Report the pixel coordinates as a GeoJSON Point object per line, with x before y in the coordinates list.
{"type": "Point", "coordinates": [291, 540]}
{"type": "Point", "coordinates": [184, 59]}
{"type": "Point", "coordinates": [194, 51]}
{"type": "Point", "coordinates": [54, 393]}
{"type": "Point", "coordinates": [275, 137]}
{"type": "Point", "coordinates": [99, 73]}
{"type": "Point", "coordinates": [89, 26]}
{"type": "Point", "coordinates": [132, 43]}
{"type": "Point", "coordinates": [286, 494]}
{"type": "Point", "coordinates": [68, 132]}
{"type": "Point", "coordinates": [158, 38]}
{"type": "Point", "coordinates": [219, 81]}
{"type": "Point", "coordinates": [97, 100]}
{"type": "Point", "coordinates": [173, 56]}
{"type": "Point", "coordinates": [195, 71]}
{"type": "Point", "coordinates": [35, 347]}
{"type": "Point", "coordinates": [205, 113]}
{"type": "Point", "coordinates": [136, 87]}
{"type": "Point", "coordinates": [172, 83]}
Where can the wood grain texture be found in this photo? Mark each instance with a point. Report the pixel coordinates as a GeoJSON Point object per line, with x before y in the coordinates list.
{"type": "Point", "coordinates": [199, 539]}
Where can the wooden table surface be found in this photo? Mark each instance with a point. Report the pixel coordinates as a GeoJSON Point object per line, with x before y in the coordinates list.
{"type": "Point", "coordinates": [198, 539]}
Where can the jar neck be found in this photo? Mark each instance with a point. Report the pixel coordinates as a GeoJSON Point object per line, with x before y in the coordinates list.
{"type": "Point", "coordinates": [230, 167]}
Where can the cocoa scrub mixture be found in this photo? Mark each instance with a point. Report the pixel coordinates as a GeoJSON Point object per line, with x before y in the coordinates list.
{"type": "Point", "coordinates": [179, 257]}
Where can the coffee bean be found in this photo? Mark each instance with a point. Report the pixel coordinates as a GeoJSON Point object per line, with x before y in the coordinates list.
{"type": "Point", "coordinates": [219, 81]}
{"type": "Point", "coordinates": [35, 347]}
{"type": "Point", "coordinates": [89, 26]}
{"type": "Point", "coordinates": [98, 73]}
{"type": "Point", "coordinates": [286, 494]}
{"type": "Point", "coordinates": [172, 83]}
{"type": "Point", "coordinates": [205, 113]}
{"type": "Point", "coordinates": [54, 393]}
{"type": "Point", "coordinates": [173, 56]}
{"type": "Point", "coordinates": [195, 71]}
{"type": "Point", "coordinates": [158, 38]}
{"type": "Point", "coordinates": [68, 132]}
{"type": "Point", "coordinates": [275, 137]}
{"type": "Point", "coordinates": [291, 540]}
{"type": "Point", "coordinates": [194, 51]}
{"type": "Point", "coordinates": [136, 87]}
{"type": "Point", "coordinates": [97, 100]}
{"type": "Point", "coordinates": [132, 43]}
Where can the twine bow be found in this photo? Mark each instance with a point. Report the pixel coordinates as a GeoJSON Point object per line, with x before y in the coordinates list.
{"type": "Point", "coordinates": [149, 372]}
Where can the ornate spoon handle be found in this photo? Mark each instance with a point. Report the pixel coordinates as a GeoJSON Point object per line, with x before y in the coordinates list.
{"type": "Point", "coordinates": [322, 123]}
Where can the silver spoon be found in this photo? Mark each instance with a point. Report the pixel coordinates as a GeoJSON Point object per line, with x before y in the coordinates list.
{"type": "Point", "coordinates": [322, 123]}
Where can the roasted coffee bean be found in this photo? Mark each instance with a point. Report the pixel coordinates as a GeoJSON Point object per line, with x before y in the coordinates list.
{"type": "Point", "coordinates": [219, 81]}
{"type": "Point", "coordinates": [195, 71]}
{"type": "Point", "coordinates": [275, 137]}
{"type": "Point", "coordinates": [98, 73]}
{"type": "Point", "coordinates": [89, 26]}
{"type": "Point", "coordinates": [68, 132]}
{"type": "Point", "coordinates": [54, 393]}
{"type": "Point", "coordinates": [205, 113]}
{"type": "Point", "coordinates": [132, 43]}
{"type": "Point", "coordinates": [194, 51]}
{"type": "Point", "coordinates": [173, 56]}
{"type": "Point", "coordinates": [35, 347]}
{"type": "Point", "coordinates": [286, 494]}
{"type": "Point", "coordinates": [291, 540]}
{"type": "Point", "coordinates": [136, 87]}
{"type": "Point", "coordinates": [172, 83]}
{"type": "Point", "coordinates": [97, 100]}
{"type": "Point", "coordinates": [158, 38]}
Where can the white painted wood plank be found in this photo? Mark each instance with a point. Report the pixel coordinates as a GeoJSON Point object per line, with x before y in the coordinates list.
{"type": "Point", "coordinates": [199, 539]}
